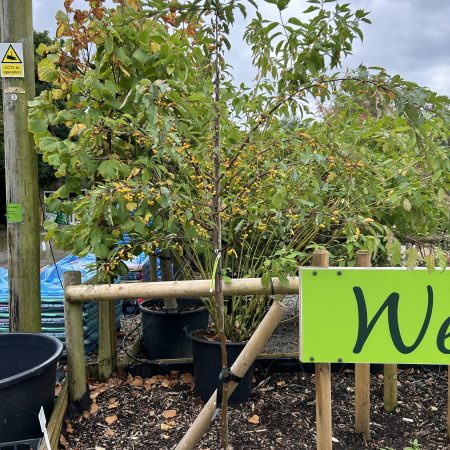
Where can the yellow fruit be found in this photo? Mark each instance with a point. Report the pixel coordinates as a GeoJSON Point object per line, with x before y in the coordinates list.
{"type": "Point", "coordinates": [131, 206]}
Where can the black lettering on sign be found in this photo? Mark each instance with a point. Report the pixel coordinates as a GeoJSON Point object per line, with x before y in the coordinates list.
{"type": "Point", "coordinates": [444, 333]}
{"type": "Point", "coordinates": [391, 304]}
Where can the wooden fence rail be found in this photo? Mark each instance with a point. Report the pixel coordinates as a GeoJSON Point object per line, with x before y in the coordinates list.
{"type": "Point", "coordinates": [162, 289]}
{"type": "Point", "coordinates": [75, 294]}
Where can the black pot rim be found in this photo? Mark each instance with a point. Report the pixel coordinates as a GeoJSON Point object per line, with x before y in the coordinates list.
{"type": "Point", "coordinates": [36, 370]}
{"type": "Point", "coordinates": [166, 312]}
{"type": "Point", "coordinates": [207, 341]}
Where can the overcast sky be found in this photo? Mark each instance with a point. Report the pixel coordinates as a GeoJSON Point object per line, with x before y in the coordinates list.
{"type": "Point", "coordinates": [408, 37]}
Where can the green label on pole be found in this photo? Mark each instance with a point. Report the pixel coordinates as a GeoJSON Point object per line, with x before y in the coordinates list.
{"type": "Point", "coordinates": [14, 213]}
{"type": "Point", "coordinates": [375, 316]}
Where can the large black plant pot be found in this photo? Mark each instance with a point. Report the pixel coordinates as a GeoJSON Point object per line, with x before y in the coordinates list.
{"type": "Point", "coordinates": [166, 331]}
{"type": "Point", "coordinates": [208, 365]}
{"type": "Point", "coordinates": [27, 382]}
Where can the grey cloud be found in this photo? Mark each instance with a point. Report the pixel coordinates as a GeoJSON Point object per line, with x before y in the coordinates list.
{"type": "Point", "coordinates": [408, 37]}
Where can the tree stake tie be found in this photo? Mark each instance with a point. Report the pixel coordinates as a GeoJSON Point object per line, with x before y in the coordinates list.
{"type": "Point", "coordinates": [213, 276]}
{"type": "Point", "coordinates": [224, 377]}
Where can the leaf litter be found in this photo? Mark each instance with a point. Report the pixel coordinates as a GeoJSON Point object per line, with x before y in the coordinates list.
{"type": "Point", "coordinates": [154, 413]}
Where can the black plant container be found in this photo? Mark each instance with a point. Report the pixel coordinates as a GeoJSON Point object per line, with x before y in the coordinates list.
{"type": "Point", "coordinates": [208, 365]}
{"type": "Point", "coordinates": [27, 382]}
{"type": "Point", "coordinates": [166, 331]}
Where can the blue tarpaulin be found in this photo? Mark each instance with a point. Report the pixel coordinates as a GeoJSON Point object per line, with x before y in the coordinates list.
{"type": "Point", "coordinates": [52, 295]}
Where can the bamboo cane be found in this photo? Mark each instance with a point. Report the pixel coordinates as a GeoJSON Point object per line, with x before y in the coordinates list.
{"type": "Point", "coordinates": [239, 368]}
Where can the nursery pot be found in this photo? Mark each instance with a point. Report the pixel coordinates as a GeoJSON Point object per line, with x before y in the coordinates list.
{"type": "Point", "coordinates": [165, 330]}
{"type": "Point", "coordinates": [27, 382]}
{"type": "Point", "coordinates": [208, 365]}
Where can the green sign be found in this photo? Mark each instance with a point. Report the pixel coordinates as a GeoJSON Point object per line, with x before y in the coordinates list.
{"type": "Point", "coordinates": [375, 316]}
{"type": "Point", "coordinates": [14, 213]}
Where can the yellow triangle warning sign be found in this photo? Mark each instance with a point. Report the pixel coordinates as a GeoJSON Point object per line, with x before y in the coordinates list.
{"type": "Point", "coordinates": [11, 56]}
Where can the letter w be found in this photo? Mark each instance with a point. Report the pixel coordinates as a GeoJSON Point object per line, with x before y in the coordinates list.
{"type": "Point", "coordinates": [391, 304]}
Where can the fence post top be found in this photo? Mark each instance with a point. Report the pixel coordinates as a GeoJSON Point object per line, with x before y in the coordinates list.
{"type": "Point", "coordinates": [320, 258]}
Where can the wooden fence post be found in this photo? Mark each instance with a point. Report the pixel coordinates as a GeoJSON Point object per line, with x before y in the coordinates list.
{"type": "Point", "coordinates": [362, 374]}
{"type": "Point", "coordinates": [73, 318]}
{"type": "Point", "coordinates": [105, 340]}
{"type": "Point", "coordinates": [390, 387]}
{"type": "Point", "coordinates": [323, 381]}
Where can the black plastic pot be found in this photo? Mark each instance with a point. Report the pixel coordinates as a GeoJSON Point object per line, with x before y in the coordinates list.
{"type": "Point", "coordinates": [208, 365]}
{"type": "Point", "coordinates": [165, 330]}
{"type": "Point", "coordinates": [27, 382]}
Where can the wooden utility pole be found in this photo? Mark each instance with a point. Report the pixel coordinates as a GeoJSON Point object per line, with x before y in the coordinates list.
{"type": "Point", "coordinates": [21, 169]}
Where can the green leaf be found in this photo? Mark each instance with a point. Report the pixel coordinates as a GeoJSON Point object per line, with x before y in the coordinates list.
{"type": "Point", "coordinates": [265, 279]}
{"type": "Point", "coordinates": [429, 262]}
{"type": "Point", "coordinates": [100, 250]}
{"type": "Point", "coordinates": [122, 268]}
{"type": "Point", "coordinates": [127, 226]}
{"type": "Point", "coordinates": [310, 9]}
{"type": "Point", "coordinates": [38, 123]}
{"type": "Point", "coordinates": [412, 257]}
{"type": "Point", "coordinates": [50, 225]}
{"type": "Point", "coordinates": [407, 205]}
{"type": "Point", "coordinates": [282, 4]}
{"type": "Point", "coordinates": [46, 71]}
{"type": "Point", "coordinates": [283, 280]}
{"type": "Point", "coordinates": [277, 200]}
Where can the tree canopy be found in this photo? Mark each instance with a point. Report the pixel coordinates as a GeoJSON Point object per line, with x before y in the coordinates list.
{"type": "Point", "coordinates": [135, 86]}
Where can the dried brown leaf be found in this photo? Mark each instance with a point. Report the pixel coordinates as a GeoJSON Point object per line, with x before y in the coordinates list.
{"type": "Point", "coordinates": [168, 414]}
{"type": "Point", "coordinates": [108, 433]}
{"type": "Point", "coordinates": [112, 403]}
{"type": "Point", "coordinates": [69, 427]}
{"type": "Point", "coordinates": [95, 393]}
{"type": "Point", "coordinates": [137, 382]}
{"type": "Point", "coordinates": [62, 441]}
{"type": "Point", "coordinates": [94, 408]}
{"type": "Point", "coordinates": [187, 378]}
{"type": "Point", "coordinates": [254, 419]}
{"type": "Point", "coordinates": [111, 419]}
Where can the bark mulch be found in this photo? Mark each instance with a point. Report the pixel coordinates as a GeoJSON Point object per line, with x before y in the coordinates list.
{"type": "Point", "coordinates": [154, 413]}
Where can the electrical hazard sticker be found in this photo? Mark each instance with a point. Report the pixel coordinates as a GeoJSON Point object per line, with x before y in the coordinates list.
{"type": "Point", "coordinates": [11, 60]}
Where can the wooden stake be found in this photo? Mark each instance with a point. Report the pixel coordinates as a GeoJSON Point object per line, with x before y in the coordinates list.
{"type": "Point", "coordinates": [362, 373]}
{"type": "Point", "coordinates": [167, 275]}
{"type": "Point", "coordinates": [153, 268]}
{"type": "Point", "coordinates": [73, 317]}
{"type": "Point", "coordinates": [390, 387]}
{"type": "Point", "coordinates": [56, 420]}
{"type": "Point", "coordinates": [243, 362]}
{"type": "Point", "coordinates": [21, 170]}
{"type": "Point", "coordinates": [105, 350]}
{"type": "Point", "coordinates": [323, 381]}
